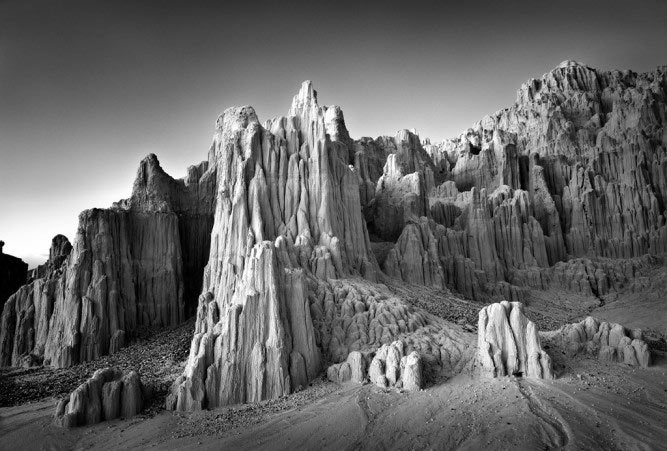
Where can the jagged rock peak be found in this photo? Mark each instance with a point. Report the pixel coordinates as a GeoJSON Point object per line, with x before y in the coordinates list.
{"type": "Point", "coordinates": [236, 118]}
{"type": "Point", "coordinates": [571, 63]}
{"type": "Point", "coordinates": [306, 98]}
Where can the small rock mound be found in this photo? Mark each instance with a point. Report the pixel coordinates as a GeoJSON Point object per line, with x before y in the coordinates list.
{"type": "Point", "coordinates": [508, 343]}
{"type": "Point", "coordinates": [109, 394]}
{"type": "Point", "coordinates": [389, 367]}
{"type": "Point", "coordinates": [608, 341]}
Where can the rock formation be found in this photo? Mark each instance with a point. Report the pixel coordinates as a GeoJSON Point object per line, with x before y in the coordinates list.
{"type": "Point", "coordinates": [125, 269]}
{"type": "Point", "coordinates": [272, 238]}
{"type": "Point", "coordinates": [389, 366]}
{"type": "Point", "coordinates": [608, 341]}
{"type": "Point", "coordinates": [107, 395]}
{"type": "Point", "coordinates": [288, 227]}
{"type": "Point", "coordinates": [58, 253]}
{"type": "Point", "coordinates": [576, 168]}
{"type": "Point", "coordinates": [508, 343]}
{"type": "Point", "coordinates": [24, 324]}
{"type": "Point", "coordinates": [13, 274]}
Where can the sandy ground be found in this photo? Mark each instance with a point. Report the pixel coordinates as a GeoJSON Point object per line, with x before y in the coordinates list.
{"type": "Point", "coordinates": [592, 405]}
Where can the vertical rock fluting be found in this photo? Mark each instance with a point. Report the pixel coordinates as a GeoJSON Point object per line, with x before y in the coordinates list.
{"type": "Point", "coordinates": [609, 341]}
{"type": "Point", "coordinates": [126, 269]}
{"type": "Point", "coordinates": [508, 343]}
{"type": "Point", "coordinates": [575, 168]}
{"type": "Point", "coordinates": [109, 394]}
{"type": "Point", "coordinates": [13, 274]}
{"type": "Point", "coordinates": [24, 325]}
{"type": "Point", "coordinates": [287, 202]}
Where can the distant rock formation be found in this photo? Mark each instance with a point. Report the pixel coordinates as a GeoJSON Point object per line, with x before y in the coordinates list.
{"type": "Point", "coordinates": [509, 345]}
{"type": "Point", "coordinates": [107, 395]}
{"type": "Point", "coordinates": [58, 252]}
{"type": "Point", "coordinates": [25, 320]}
{"type": "Point", "coordinates": [127, 268]}
{"type": "Point", "coordinates": [608, 341]}
{"type": "Point", "coordinates": [13, 274]}
{"type": "Point", "coordinates": [576, 168]}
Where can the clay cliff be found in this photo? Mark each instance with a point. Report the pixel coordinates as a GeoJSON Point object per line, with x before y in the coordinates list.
{"type": "Point", "coordinates": [569, 178]}
{"type": "Point", "coordinates": [135, 264]}
{"type": "Point", "coordinates": [288, 241]}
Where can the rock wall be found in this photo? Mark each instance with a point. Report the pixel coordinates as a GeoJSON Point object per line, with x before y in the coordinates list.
{"type": "Point", "coordinates": [131, 265]}
{"type": "Point", "coordinates": [287, 202]}
{"type": "Point", "coordinates": [13, 274]}
{"type": "Point", "coordinates": [282, 290]}
{"type": "Point", "coordinates": [576, 168]}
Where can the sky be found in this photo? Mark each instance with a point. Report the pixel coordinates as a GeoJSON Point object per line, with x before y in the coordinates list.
{"type": "Point", "coordinates": [89, 87]}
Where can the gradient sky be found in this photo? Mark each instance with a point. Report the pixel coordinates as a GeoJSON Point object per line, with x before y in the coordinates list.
{"type": "Point", "coordinates": [88, 88]}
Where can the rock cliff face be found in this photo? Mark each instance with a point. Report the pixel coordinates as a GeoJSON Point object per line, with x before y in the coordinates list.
{"type": "Point", "coordinates": [13, 274]}
{"type": "Point", "coordinates": [272, 238]}
{"type": "Point", "coordinates": [576, 168]}
{"type": "Point", "coordinates": [126, 269]}
{"type": "Point", "coordinates": [281, 289]}
{"type": "Point", "coordinates": [287, 203]}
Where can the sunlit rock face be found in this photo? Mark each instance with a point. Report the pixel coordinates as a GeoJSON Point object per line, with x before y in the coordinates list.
{"type": "Point", "coordinates": [287, 202]}
{"type": "Point", "coordinates": [135, 264]}
{"type": "Point", "coordinates": [509, 344]}
{"type": "Point", "coordinates": [575, 169]}
{"type": "Point", "coordinates": [24, 324]}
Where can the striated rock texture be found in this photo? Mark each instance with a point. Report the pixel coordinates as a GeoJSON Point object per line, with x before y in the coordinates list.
{"type": "Point", "coordinates": [127, 268]}
{"type": "Point", "coordinates": [282, 290]}
{"type": "Point", "coordinates": [13, 274]}
{"type": "Point", "coordinates": [24, 323]}
{"type": "Point", "coordinates": [608, 341]}
{"type": "Point", "coordinates": [508, 343]}
{"type": "Point", "coordinates": [107, 395]}
{"type": "Point", "coordinates": [389, 366]}
{"type": "Point", "coordinates": [575, 169]}
{"type": "Point", "coordinates": [58, 253]}
{"type": "Point", "coordinates": [287, 204]}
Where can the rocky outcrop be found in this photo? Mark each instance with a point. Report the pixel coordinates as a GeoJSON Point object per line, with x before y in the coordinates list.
{"type": "Point", "coordinates": [401, 192]}
{"type": "Point", "coordinates": [574, 169]}
{"type": "Point", "coordinates": [287, 210]}
{"type": "Point", "coordinates": [608, 341]}
{"type": "Point", "coordinates": [109, 394]}
{"type": "Point", "coordinates": [58, 253]}
{"type": "Point", "coordinates": [24, 324]}
{"type": "Point", "coordinates": [13, 274]}
{"type": "Point", "coordinates": [282, 290]}
{"type": "Point", "coordinates": [127, 268]}
{"type": "Point", "coordinates": [389, 366]}
{"type": "Point", "coordinates": [509, 344]}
